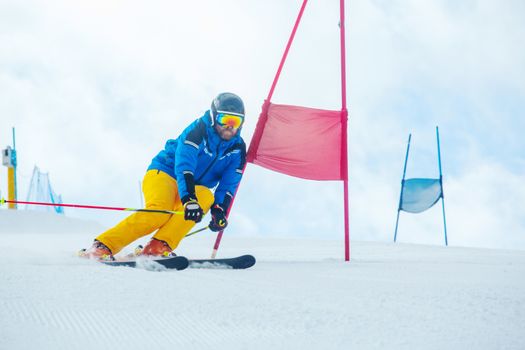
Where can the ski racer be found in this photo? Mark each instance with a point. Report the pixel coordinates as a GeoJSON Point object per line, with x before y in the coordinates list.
{"type": "Point", "coordinates": [209, 153]}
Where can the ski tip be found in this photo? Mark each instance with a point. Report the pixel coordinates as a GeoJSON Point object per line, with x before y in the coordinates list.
{"type": "Point", "coordinates": [249, 261]}
{"type": "Point", "coordinates": [184, 264]}
{"type": "Point", "coordinates": [236, 263]}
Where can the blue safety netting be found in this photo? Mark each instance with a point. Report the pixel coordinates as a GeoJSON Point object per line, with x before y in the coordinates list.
{"type": "Point", "coordinates": [420, 194]}
{"type": "Point", "coordinates": [40, 190]}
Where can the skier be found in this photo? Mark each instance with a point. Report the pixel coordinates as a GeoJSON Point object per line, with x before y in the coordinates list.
{"type": "Point", "coordinates": [209, 153]}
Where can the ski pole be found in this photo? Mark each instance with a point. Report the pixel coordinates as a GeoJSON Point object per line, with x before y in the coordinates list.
{"type": "Point", "coordinates": [197, 231]}
{"type": "Point", "coordinates": [3, 201]}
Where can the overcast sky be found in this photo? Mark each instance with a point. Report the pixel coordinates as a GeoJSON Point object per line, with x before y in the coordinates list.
{"type": "Point", "coordinates": [95, 88]}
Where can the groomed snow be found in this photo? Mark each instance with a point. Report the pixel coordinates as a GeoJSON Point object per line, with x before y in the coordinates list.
{"type": "Point", "coordinates": [299, 295]}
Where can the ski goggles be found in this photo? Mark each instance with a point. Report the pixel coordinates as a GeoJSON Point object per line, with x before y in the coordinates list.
{"type": "Point", "coordinates": [231, 120]}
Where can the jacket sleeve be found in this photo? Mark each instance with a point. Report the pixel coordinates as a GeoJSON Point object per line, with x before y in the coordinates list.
{"type": "Point", "coordinates": [231, 177]}
{"type": "Point", "coordinates": [186, 157]}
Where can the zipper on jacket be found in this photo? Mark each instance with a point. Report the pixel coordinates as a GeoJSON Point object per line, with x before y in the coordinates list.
{"type": "Point", "coordinates": [212, 162]}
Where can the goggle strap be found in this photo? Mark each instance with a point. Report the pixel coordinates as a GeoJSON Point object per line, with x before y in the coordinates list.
{"type": "Point", "coordinates": [232, 113]}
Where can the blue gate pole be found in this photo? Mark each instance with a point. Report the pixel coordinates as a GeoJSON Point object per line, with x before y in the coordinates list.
{"type": "Point", "coordinates": [441, 183]}
{"type": "Point", "coordinates": [402, 186]}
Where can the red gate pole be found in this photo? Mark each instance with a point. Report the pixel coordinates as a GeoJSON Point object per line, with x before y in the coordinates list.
{"type": "Point", "coordinates": [82, 206]}
{"type": "Point", "coordinates": [344, 134]}
{"type": "Point", "coordinates": [263, 113]}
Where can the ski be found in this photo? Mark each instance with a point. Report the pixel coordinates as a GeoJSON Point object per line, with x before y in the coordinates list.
{"type": "Point", "coordinates": [237, 263]}
{"type": "Point", "coordinates": [156, 264]}
{"type": "Point", "coordinates": [180, 262]}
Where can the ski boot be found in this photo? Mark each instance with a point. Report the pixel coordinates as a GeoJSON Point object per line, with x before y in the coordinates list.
{"type": "Point", "coordinates": [155, 248]}
{"type": "Point", "coordinates": [98, 251]}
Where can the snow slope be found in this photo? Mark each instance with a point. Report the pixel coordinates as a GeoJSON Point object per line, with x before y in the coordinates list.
{"type": "Point", "coordinates": [300, 295]}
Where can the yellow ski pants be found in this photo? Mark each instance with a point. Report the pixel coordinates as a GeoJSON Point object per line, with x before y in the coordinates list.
{"type": "Point", "coordinates": [160, 192]}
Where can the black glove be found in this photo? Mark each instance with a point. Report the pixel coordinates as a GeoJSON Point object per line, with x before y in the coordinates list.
{"type": "Point", "coordinates": [218, 219]}
{"type": "Point", "coordinates": [192, 209]}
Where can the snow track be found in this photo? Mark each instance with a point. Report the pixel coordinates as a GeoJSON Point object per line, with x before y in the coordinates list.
{"type": "Point", "coordinates": [100, 328]}
{"type": "Point", "coordinates": [61, 328]}
{"type": "Point", "coordinates": [299, 295]}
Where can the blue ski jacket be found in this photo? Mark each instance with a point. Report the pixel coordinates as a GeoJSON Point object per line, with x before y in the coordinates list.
{"type": "Point", "coordinates": [212, 161]}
